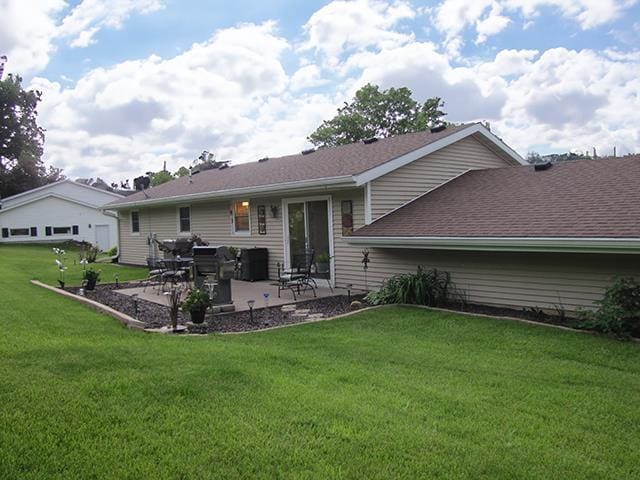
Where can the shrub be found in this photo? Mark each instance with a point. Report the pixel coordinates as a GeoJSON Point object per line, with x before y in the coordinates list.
{"type": "Point", "coordinates": [619, 310]}
{"type": "Point", "coordinates": [197, 300]}
{"type": "Point", "coordinates": [90, 274]}
{"type": "Point", "coordinates": [89, 252]}
{"type": "Point", "coordinates": [112, 252]}
{"type": "Point", "coordinates": [425, 287]}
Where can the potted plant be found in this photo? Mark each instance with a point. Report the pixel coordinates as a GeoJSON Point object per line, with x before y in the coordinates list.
{"type": "Point", "coordinates": [90, 277]}
{"type": "Point", "coordinates": [322, 262]}
{"type": "Point", "coordinates": [196, 304]}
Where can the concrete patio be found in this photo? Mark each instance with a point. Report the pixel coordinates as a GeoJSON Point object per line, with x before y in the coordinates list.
{"type": "Point", "coordinates": [242, 292]}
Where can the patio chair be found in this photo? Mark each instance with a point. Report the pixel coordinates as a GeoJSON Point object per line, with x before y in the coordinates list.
{"type": "Point", "coordinates": [298, 278]}
{"type": "Point", "coordinates": [156, 269]}
{"type": "Point", "coordinates": [173, 272]}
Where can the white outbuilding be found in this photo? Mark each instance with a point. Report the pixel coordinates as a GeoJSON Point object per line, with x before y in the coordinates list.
{"type": "Point", "coordinates": [65, 210]}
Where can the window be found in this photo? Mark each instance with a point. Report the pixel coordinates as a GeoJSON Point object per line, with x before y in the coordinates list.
{"type": "Point", "coordinates": [18, 232]}
{"type": "Point", "coordinates": [347, 217]}
{"type": "Point", "coordinates": [61, 230]}
{"type": "Point", "coordinates": [47, 231]}
{"type": "Point", "coordinates": [135, 222]}
{"type": "Point", "coordinates": [5, 233]}
{"type": "Point", "coordinates": [34, 231]}
{"type": "Point", "coordinates": [76, 230]}
{"type": "Point", "coordinates": [184, 219]}
{"type": "Point", "coordinates": [241, 217]}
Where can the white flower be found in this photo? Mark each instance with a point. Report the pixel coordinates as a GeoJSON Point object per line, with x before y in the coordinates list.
{"type": "Point", "coordinates": [58, 262]}
{"type": "Point", "coordinates": [84, 261]}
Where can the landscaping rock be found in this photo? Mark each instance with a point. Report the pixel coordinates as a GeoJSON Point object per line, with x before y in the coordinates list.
{"type": "Point", "coordinates": [155, 316]}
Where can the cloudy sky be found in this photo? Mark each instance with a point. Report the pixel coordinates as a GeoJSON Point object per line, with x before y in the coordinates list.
{"type": "Point", "coordinates": [129, 84]}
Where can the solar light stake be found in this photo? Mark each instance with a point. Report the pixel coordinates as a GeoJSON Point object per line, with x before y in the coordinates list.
{"type": "Point", "coordinates": [135, 305]}
{"type": "Point", "coordinates": [349, 287]}
{"type": "Point", "coordinates": [266, 298]}
{"type": "Point", "coordinates": [251, 303]}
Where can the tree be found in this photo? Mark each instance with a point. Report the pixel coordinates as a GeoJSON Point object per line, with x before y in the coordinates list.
{"type": "Point", "coordinates": [160, 177]}
{"type": "Point", "coordinates": [21, 140]}
{"type": "Point", "coordinates": [181, 172]}
{"type": "Point", "coordinates": [375, 113]}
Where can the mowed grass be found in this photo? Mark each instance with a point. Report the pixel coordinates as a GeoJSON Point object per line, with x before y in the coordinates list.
{"type": "Point", "coordinates": [390, 393]}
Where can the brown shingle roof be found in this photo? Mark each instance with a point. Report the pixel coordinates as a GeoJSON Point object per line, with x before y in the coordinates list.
{"type": "Point", "coordinates": [578, 199]}
{"type": "Point", "coordinates": [324, 163]}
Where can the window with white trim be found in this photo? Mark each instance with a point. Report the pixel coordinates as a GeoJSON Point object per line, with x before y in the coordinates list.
{"type": "Point", "coordinates": [61, 230]}
{"type": "Point", "coordinates": [184, 219]}
{"type": "Point", "coordinates": [19, 232]}
{"type": "Point", "coordinates": [240, 215]}
{"type": "Point", "coordinates": [135, 221]}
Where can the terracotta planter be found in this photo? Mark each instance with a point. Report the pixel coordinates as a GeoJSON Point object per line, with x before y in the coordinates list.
{"type": "Point", "coordinates": [197, 316]}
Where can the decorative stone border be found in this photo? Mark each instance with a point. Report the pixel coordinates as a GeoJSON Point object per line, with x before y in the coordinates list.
{"type": "Point", "coordinates": [125, 319]}
{"type": "Point", "coordinates": [131, 322]}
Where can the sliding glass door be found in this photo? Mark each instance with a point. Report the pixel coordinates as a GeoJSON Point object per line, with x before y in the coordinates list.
{"type": "Point", "coordinates": [308, 228]}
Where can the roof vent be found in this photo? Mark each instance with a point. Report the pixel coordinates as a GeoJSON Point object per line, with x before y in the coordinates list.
{"type": "Point", "coordinates": [369, 141]}
{"type": "Point", "coordinates": [264, 159]}
{"type": "Point", "coordinates": [438, 128]}
{"type": "Point", "coordinates": [308, 151]}
{"type": "Point", "coordinates": [538, 167]}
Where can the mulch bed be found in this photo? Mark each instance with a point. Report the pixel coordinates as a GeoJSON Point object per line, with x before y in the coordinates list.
{"type": "Point", "coordinates": [532, 314]}
{"type": "Point", "coordinates": [156, 316]}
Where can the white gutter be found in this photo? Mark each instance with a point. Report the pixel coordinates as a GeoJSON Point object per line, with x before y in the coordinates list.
{"type": "Point", "coordinates": [290, 187]}
{"type": "Point", "coordinates": [505, 244]}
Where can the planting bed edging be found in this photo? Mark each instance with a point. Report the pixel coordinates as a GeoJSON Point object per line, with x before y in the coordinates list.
{"type": "Point", "coordinates": [123, 318]}
{"type": "Point", "coordinates": [131, 322]}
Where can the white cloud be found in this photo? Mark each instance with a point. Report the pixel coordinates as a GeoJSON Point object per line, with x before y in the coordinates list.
{"type": "Point", "coordinates": [27, 28]}
{"type": "Point", "coordinates": [228, 95]}
{"type": "Point", "coordinates": [90, 16]}
{"type": "Point", "coordinates": [30, 29]}
{"type": "Point", "coordinates": [355, 25]}
{"type": "Point", "coordinates": [574, 100]}
{"type": "Point", "coordinates": [490, 17]}
{"type": "Point", "coordinates": [308, 76]}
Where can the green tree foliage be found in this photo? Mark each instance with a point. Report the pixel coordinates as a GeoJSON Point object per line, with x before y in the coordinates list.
{"type": "Point", "coordinates": [160, 177]}
{"type": "Point", "coordinates": [375, 113]}
{"type": "Point", "coordinates": [181, 172]}
{"type": "Point", "coordinates": [21, 140]}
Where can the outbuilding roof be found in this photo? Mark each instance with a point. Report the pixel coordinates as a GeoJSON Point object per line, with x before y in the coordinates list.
{"type": "Point", "coordinates": [324, 166]}
{"type": "Point", "coordinates": [598, 198]}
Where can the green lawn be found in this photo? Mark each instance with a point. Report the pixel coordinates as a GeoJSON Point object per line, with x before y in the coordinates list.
{"type": "Point", "coordinates": [393, 393]}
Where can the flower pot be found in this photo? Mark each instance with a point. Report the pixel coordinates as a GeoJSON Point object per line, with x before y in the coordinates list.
{"type": "Point", "coordinates": [91, 284]}
{"type": "Point", "coordinates": [197, 316]}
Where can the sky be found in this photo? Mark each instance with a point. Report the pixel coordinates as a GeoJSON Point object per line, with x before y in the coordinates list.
{"type": "Point", "coordinates": [130, 84]}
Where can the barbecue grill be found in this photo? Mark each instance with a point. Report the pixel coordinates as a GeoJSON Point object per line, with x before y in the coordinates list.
{"type": "Point", "coordinates": [215, 266]}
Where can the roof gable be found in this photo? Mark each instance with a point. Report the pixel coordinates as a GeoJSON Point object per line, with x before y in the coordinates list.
{"type": "Point", "coordinates": [579, 199]}
{"type": "Point", "coordinates": [344, 165]}
{"type": "Point", "coordinates": [66, 187]}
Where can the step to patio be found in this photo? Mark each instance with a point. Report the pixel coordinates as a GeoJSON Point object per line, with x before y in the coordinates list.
{"type": "Point", "coordinates": [315, 316]}
{"type": "Point", "coordinates": [288, 308]}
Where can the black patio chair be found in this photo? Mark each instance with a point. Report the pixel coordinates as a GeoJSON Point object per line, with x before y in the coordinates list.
{"type": "Point", "coordinates": [298, 278]}
{"type": "Point", "coordinates": [156, 270]}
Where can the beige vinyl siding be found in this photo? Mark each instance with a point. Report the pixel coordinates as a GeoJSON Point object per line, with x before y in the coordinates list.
{"type": "Point", "coordinates": [543, 280]}
{"type": "Point", "coordinates": [406, 183]}
{"type": "Point", "coordinates": [347, 257]}
{"type": "Point", "coordinates": [212, 221]}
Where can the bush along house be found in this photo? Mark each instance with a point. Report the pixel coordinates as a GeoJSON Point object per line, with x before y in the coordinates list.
{"type": "Point", "coordinates": [457, 199]}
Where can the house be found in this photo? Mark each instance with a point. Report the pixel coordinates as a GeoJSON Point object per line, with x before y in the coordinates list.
{"type": "Point", "coordinates": [434, 198]}
{"type": "Point", "coordinates": [65, 210]}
